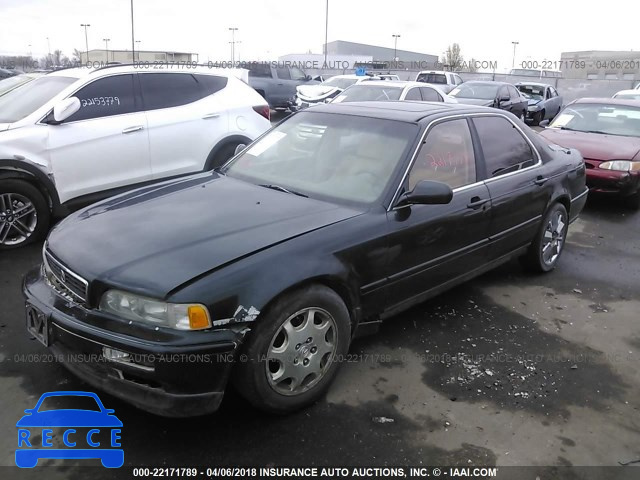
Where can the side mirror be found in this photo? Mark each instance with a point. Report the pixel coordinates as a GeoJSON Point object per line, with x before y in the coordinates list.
{"type": "Point", "coordinates": [308, 77]}
{"type": "Point", "coordinates": [505, 98]}
{"type": "Point", "coordinates": [65, 109]}
{"type": "Point", "coordinates": [427, 192]}
{"type": "Point", "coordinates": [239, 148]}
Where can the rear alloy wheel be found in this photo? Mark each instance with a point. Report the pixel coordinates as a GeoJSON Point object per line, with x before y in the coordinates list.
{"type": "Point", "coordinates": [292, 355]}
{"type": "Point", "coordinates": [24, 214]}
{"type": "Point", "coordinates": [545, 250]}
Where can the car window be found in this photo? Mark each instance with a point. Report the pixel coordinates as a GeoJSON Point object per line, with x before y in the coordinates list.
{"type": "Point", "coordinates": [430, 95]}
{"type": "Point", "coordinates": [504, 147]}
{"type": "Point", "coordinates": [457, 79]}
{"type": "Point", "coordinates": [23, 101]}
{"type": "Point", "coordinates": [106, 97]}
{"type": "Point", "coordinates": [211, 84]}
{"type": "Point", "coordinates": [432, 78]}
{"type": "Point", "coordinates": [360, 93]}
{"type": "Point", "coordinates": [515, 96]}
{"type": "Point", "coordinates": [283, 73]}
{"type": "Point", "coordinates": [552, 92]}
{"type": "Point", "coordinates": [261, 70]}
{"type": "Point", "coordinates": [165, 90]}
{"type": "Point", "coordinates": [413, 94]}
{"type": "Point", "coordinates": [447, 156]}
{"type": "Point", "coordinates": [297, 74]}
{"type": "Point", "coordinates": [503, 92]}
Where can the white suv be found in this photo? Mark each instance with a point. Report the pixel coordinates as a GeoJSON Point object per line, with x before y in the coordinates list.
{"type": "Point", "coordinates": [76, 136]}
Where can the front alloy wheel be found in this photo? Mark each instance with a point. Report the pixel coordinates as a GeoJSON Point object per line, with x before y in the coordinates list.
{"type": "Point", "coordinates": [301, 351]}
{"type": "Point", "coordinates": [24, 214]}
{"type": "Point", "coordinates": [293, 350]}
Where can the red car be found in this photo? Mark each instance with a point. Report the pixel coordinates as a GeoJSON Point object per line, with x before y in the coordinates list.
{"type": "Point", "coordinates": [607, 133]}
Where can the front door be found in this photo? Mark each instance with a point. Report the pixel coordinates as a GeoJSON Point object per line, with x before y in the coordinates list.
{"type": "Point", "coordinates": [431, 245]}
{"type": "Point", "coordinates": [105, 144]}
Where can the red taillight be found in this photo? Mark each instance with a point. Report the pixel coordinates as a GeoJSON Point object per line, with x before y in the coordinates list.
{"type": "Point", "coordinates": [264, 111]}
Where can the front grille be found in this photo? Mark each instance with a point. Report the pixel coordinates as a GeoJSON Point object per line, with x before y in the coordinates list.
{"type": "Point", "coordinates": [69, 284]}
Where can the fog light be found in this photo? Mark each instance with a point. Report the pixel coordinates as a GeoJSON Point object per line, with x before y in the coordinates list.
{"type": "Point", "coordinates": [198, 317]}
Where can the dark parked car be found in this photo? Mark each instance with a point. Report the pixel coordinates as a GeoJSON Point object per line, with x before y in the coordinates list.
{"type": "Point", "coordinates": [607, 132]}
{"type": "Point", "coordinates": [277, 82]}
{"type": "Point", "coordinates": [544, 101]}
{"type": "Point", "coordinates": [263, 272]}
{"type": "Point", "coordinates": [6, 73]}
{"type": "Point", "coordinates": [492, 94]}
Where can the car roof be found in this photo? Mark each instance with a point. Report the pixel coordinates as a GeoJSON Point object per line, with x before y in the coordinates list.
{"type": "Point", "coordinates": [394, 83]}
{"type": "Point", "coordinates": [610, 101]}
{"type": "Point", "coordinates": [534, 84]}
{"type": "Point", "coordinates": [487, 82]}
{"type": "Point", "coordinates": [405, 111]}
{"type": "Point", "coordinates": [631, 91]}
{"type": "Point", "coordinates": [81, 72]}
{"type": "Point", "coordinates": [433, 71]}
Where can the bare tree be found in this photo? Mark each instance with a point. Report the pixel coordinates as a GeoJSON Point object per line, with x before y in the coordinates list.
{"type": "Point", "coordinates": [452, 58]}
{"type": "Point", "coordinates": [76, 57]}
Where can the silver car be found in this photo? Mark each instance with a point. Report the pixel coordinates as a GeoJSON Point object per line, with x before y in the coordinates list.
{"type": "Point", "coordinates": [544, 101]}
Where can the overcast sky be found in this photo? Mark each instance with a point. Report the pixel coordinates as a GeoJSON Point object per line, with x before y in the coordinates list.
{"type": "Point", "coordinates": [269, 28]}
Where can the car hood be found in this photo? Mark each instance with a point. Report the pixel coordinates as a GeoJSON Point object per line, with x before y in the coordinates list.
{"type": "Point", "coordinates": [474, 101]}
{"type": "Point", "coordinates": [594, 145]}
{"type": "Point", "coordinates": [4, 126]}
{"type": "Point", "coordinates": [316, 92]}
{"type": "Point", "coordinates": [69, 418]}
{"type": "Point", "coordinates": [154, 239]}
{"type": "Point", "coordinates": [533, 101]}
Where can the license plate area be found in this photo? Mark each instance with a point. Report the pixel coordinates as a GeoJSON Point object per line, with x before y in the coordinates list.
{"type": "Point", "coordinates": [38, 324]}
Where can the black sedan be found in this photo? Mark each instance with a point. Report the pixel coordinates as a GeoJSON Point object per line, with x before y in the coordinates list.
{"type": "Point", "coordinates": [261, 273]}
{"type": "Point", "coordinates": [492, 94]}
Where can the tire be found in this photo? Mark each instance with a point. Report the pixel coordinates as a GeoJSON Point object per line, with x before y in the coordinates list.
{"type": "Point", "coordinates": [263, 381]}
{"type": "Point", "coordinates": [24, 214]}
{"type": "Point", "coordinates": [549, 236]}
{"type": "Point", "coordinates": [538, 117]}
{"type": "Point", "coordinates": [633, 201]}
{"type": "Point", "coordinates": [221, 156]}
{"type": "Point", "coordinates": [523, 116]}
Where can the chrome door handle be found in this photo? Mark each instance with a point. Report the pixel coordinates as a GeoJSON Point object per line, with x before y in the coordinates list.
{"type": "Point", "coordinates": [211, 115]}
{"type": "Point", "coordinates": [477, 202]}
{"type": "Point", "coordinates": [132, 129]}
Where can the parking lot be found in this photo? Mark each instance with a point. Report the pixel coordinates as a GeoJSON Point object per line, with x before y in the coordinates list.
{"type": "Point", "coordinates": [508, 369]}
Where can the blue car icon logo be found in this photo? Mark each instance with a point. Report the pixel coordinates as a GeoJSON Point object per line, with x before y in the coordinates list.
{"type": "Point", "coordinates": [69, 433]}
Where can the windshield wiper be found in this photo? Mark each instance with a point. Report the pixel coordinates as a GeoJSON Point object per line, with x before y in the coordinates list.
{"type": "Point", "coordinates": [282, 189]}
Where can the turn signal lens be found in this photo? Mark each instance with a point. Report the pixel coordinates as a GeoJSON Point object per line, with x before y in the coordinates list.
{"type": "Point", "coordinates": [198, 317]}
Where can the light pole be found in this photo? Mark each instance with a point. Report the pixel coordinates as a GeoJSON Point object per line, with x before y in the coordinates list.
{"type": "Point", "coordinates": [48, 46]}
{"type": "Point", "coordinates": [139, 47]}
{"type": "Point", "coordinates": [133, 41]}
{"type": "Point", "coordinates": [106, 45]}
{"type": "Point", "coordinates": [238, 43]}
{"type": "Point", "coordinates": [233, 44]}
{"type": "Point", "coordinates": [395, 47]}
{"type": "Point", "coordinates": [86, 39]}
{"type": "Point", "coordinates": [513, 61]}
{"type": "Point", "coordinates": [326, 32]}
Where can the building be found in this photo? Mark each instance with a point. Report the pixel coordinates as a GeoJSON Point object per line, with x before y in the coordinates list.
{"type": "Point", "coordinates": [124, 56]}
{"type": "Point", "coordinates": [386, 55]}
{"type": "Point", "coordinates": [601, 65]}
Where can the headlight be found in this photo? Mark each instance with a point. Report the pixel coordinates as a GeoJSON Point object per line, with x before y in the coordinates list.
{"type": "Point", "coordinates": [621, 165]}
{"type": "Point", "coordinates": [155, 312]}
{"type": "Point", "coordinates": [533, 108]}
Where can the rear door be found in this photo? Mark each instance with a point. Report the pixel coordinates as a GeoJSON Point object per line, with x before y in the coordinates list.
{"type": "Point", "coordinates": [105, 144]}
{"type": "Point", "coordinates": [431, 245]}
{"type": "Point", "coordinates": [186, 119]}
{"type": "Point", "coordinates": [516, 182]}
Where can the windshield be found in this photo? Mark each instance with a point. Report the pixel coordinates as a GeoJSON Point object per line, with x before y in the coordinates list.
{"type": "Point", "coordinates": [365, 93]}
{"type": "Point", "coordinates": [339, 82]}
{"type": "Point", "coordinates": [440, 78]}
{"type": "Point", "coordinates": [531, 91]}
{"type": "Point", "coordinates": [12, 82]}
{"type": "Point", "coordinates": [340, 158]}
{"type": "Point", "coordinates": [23, 101]}
{"type": "Point", "coordinates": [600, 118]}
{"type": "Point", "coordinates": [482, 91]}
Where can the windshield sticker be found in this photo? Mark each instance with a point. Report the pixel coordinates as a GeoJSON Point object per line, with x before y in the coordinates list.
{"type": "Point", "coordinates": [266, 143]}
{"type": "Point", "coordinates": [562, 120]}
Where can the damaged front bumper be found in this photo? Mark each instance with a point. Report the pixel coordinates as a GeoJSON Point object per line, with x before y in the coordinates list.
{"type": "Point", "coordinates": [168, 373]}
